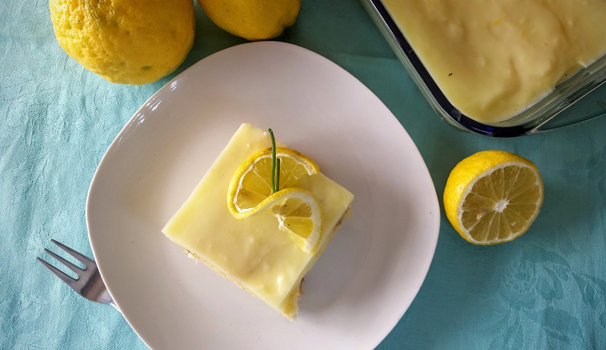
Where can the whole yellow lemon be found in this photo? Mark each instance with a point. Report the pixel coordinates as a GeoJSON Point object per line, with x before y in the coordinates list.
{"type": "Point", "coordinates": [125, 41]}
{"type": "Point", "coordinates": [252, 19]}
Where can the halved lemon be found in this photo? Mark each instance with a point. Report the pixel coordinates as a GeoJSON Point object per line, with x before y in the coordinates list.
{"type": "Point", "coordinates": [299, 214]}
{"type": "Point", "coordinates": [493, 197]}
{"type": "Point", "coordinates": [251, 183]}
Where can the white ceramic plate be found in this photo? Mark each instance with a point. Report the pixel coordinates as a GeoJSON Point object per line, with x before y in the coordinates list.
{"type": "Point", "coordinates": [369, 274]}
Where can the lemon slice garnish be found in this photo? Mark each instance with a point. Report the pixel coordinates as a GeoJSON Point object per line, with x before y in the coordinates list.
{"type": "Point", "coordinates": [493, 197]}
{"type": "Point", "coordinates": [250, 185]}
{"type": "Point", "coordinates": [299, 214]}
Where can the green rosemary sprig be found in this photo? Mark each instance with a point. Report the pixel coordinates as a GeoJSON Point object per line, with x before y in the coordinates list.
{"type": "Point", "coordinates": [273, 163]}
{"type": "Point", "coordinates": [278, 176]}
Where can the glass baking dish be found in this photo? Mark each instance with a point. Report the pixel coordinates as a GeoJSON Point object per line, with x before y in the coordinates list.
{"type": "Point", "coordinates": [539, 117]}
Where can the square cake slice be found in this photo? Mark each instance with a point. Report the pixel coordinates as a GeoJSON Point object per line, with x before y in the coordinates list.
{"type": "Point", "coordinates": [253, 252]}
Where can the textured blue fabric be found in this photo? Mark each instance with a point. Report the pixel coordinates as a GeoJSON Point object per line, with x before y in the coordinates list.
{"type": "Point", "coordinates": [546, 290]}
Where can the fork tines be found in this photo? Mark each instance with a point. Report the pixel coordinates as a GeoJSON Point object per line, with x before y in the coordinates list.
{"type": "Point", "coordinates": [88, 263]}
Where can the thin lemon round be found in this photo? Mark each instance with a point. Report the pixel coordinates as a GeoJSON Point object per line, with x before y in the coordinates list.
{"type": "Point", "coordinates": [251, 183]}
{"type": "Point", "coordinates": [493, 197]}
{"type": "Point", "coordinates": [299, 215]}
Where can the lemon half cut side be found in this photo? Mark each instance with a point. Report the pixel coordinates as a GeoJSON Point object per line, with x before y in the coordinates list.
{"type": "Point", "coordinates": [493, 197]}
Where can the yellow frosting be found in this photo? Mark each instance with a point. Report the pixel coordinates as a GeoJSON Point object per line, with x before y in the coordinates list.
{"type": "Point", "coordinates": [252, 252]}
{"type": "Point", "coordinates": [493, 59]}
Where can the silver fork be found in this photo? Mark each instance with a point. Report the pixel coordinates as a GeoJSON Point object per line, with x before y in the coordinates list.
{"type": "Point", "coordinates": [89, 283]}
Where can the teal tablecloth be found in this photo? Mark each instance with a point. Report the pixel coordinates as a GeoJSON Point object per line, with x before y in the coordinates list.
{"type": "Point", "coordinates": [546, 290]}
